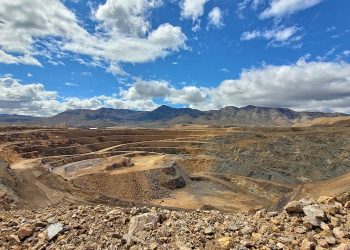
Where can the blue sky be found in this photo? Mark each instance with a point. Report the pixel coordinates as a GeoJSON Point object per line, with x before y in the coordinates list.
{"type": "Point", "coordinates": [206, 54]}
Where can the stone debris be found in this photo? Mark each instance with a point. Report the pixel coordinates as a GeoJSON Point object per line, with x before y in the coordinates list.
{"type": "Point", "coordinates": [326, 199]}
{"type": "Point", "coordinates": [343, 198]}
{"type": "Point", "coordinates": [304, 225]}
{"type": "Point", "coordinates": [307, 245]}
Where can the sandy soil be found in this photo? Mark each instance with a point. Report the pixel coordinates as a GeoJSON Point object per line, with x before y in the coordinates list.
{"type": "Point", "coordinates": [24, 164]}
{"type": "Point", "coordinates": [201, 193]}
{"type": "Point", "coordinates": [330, 187]}
{"type": "Point", "coordinates": [142, 163]}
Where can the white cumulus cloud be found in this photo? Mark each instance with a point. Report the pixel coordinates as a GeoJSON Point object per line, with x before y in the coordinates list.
{"type": "Point", "coordinates": [35, 100]}
{"type": "Point", "coordinates": [280, 8]}
{"type": "Point", "coordinates": [49, 29]}
{"type": "Point", "coordinates": [313, 86]}
{"type": "Point", "coordinates": [126, 16]}
{"type": "Point", "coordinates": [25, 98]}
{"type": "Point", "coordinates": [215, 17]}
{"type": "Point", "coordinates": [192, 9]}
{"type": "Point", "coordinates": [323, 86]}
{"type": "Point", "coordinates": [149, 90]}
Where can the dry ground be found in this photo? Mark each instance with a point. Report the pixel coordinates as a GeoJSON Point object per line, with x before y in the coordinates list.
{"type": "Point", "coordinates": [232, 169]}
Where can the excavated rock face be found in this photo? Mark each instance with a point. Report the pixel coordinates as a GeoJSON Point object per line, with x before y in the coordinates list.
{"type": "Point", "coordinates": [174, 178]}
{"type": "Point", "coordinates": [8, 182]}
{"type": "Point", "coordinates": [304, 224]}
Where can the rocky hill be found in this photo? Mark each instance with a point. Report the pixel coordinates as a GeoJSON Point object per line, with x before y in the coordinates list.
{"type": "Point", "coordinates": [4, 118]}
{"type": "Point", "coordinates": [306, 224]}
{"type": "Point", "coordinates": [167, 116]}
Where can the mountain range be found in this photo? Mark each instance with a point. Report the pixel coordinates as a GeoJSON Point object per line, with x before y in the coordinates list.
{"type": "Point", "coordinates": [167, 116]}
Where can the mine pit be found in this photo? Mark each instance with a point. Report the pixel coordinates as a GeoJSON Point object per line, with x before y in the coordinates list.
{"type": "Point", "coordinates": [227, 169]}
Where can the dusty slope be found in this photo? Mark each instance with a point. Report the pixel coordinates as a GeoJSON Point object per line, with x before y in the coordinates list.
{"type": "Point", "coordinates": [342, 121]}
{"type": "Point", "coordinates": [329, 187]}
{"type": "Point", "coordinates": [34, 187]}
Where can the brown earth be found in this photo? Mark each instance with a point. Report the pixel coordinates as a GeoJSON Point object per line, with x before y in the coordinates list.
{"type": "Point", "coordinates": [188, 167]}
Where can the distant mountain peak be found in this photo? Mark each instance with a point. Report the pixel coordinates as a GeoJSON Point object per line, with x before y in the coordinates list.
{"type": "Point", "coordinates": [164, 108]}
{"type": "Point", "coordinates": [104, 108]}
{"type": "Point", "coordinates": [251, 106]}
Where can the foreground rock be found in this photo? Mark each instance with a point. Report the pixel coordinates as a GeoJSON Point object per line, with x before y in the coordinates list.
{"type": "Point", "coordinates": [305, 224]}
{"type": "Point", "coordinates": [54, 229]}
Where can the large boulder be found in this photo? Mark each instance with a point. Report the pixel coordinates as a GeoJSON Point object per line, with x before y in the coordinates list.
{"type": "Point", "coordinates": [314, 212]}
{"type": "Point", "coordinates": [25, 231]}
{"type": "Point", "coordinates": [53, 230]}
{"type": "Point", "coordinates": [294, 207]}
{"type": "Point", "coordinates": [297, 206]}
{"type": "Point", "coordinates": [143, 222]}
{"type": "Point", "coordinates": [331, 209]}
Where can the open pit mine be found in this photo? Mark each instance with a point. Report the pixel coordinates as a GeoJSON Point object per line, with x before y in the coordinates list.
{"type": "Point", "coordinates": [184, 187]}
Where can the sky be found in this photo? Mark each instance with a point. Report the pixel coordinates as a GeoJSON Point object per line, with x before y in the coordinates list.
{"type": "Point", "coordinates": [57, 55]}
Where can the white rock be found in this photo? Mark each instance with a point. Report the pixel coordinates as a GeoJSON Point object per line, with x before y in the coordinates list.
{"type": "Point", "coordinates": [143, 222]}
{"type": "Point", "coordinates": [54, 229]}
{"type": "Point", "coordinates": [313, 211]}
{"type": "Point", "coordinates": [209, 230]}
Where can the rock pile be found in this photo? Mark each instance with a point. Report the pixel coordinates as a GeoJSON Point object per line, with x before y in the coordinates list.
{"type": "Point", "coordinates": [305, 224]}
{"type": "Point", "coordinates": [125, 162]}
